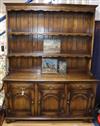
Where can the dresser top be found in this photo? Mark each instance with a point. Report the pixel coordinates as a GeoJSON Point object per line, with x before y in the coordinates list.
{"type": "Point", "coordinates": [51, 7]}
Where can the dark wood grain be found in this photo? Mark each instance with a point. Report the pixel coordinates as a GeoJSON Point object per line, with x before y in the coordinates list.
{"type": "Point", "coordinates": [32, 95]}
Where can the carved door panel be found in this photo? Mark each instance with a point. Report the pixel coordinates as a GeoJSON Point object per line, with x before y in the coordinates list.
{"type": "Point", "coordinates": [20, 99]}
{"type": "Point", "coordinates": [80, 99]}
{"type": "Point", "coordinates": [51, 100]}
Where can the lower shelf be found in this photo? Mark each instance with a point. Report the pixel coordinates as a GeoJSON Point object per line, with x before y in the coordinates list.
{"type": "Point", "coordinates": [30, 76]}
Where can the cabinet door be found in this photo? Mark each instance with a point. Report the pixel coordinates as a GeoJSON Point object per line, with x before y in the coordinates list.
{"type": "Point", "coordinates": [20, 99]}
{"type": "Point", "coordinates": [80, 99]}
{"type": "Point", "coordinates": [51, 100]}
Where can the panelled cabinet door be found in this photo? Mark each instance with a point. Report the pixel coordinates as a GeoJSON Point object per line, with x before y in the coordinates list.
{"type": "Point", "coordinates": [51, 100]}
{"type": "Point", "coordinates": [80, 99]}
{"type": "Point", "coordinates": [20, 99]}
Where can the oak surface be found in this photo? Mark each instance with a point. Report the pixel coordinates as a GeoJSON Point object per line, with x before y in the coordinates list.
{"type": "Point", "coordinates": [32, 95]}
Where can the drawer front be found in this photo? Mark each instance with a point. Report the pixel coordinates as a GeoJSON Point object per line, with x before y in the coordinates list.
{"type": "Point", "coordinates": [81, 85]}
{"type": "Point", "coordinates": [20, 87]}
{"type": "Point", "coordinates": [51, 86]}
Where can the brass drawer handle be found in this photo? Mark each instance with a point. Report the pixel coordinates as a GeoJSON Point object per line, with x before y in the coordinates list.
{"type": "Point", "coordinates": [50, 88]}
{"type": "Point", "coordinates": [22, 91]}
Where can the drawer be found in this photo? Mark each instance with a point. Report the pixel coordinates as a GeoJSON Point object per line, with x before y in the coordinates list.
{"type": "Point", "coordinates": [18, 87]}
{"type": "Point", "coordinates": [51, 86]}
{"type": "Point", "coordinates": [80, 85]}
{"type": "Point", "coordinates": [20, 84]}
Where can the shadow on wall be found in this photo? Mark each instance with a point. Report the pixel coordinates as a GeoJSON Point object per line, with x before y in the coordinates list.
{"type": "Point", "coordinates": [96, 58]}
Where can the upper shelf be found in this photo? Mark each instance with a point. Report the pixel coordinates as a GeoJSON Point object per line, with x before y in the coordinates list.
{"type": "Point", "coordinates": [43, 54]}
{"type": "Point", "coordinates": [50, 7]}
{"type": "Point", "coordinates": [51, 33]}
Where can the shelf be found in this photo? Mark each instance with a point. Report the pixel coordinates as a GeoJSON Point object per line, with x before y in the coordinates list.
{"type": "Point", "coordinates": [51, 33]}
{"type": "Point", "coordinates": [41, 54]}
{"type": "Point", "coordinates": [29, 76]}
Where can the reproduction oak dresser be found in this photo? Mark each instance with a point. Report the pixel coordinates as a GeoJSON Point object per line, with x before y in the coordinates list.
{"type": "Point", "coordinates": [36, 89]}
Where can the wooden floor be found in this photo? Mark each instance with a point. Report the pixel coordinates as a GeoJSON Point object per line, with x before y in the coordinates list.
{"type": "Point", "coordinates": [48, 123]}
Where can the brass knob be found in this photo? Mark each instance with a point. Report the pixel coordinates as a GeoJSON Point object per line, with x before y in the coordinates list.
{"type": "Point", "coordinates": [67, 102]}
{"type": "Point", "coordinates": [39, 102]}
{"type": "Point", "coordinates": [32, 102]}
